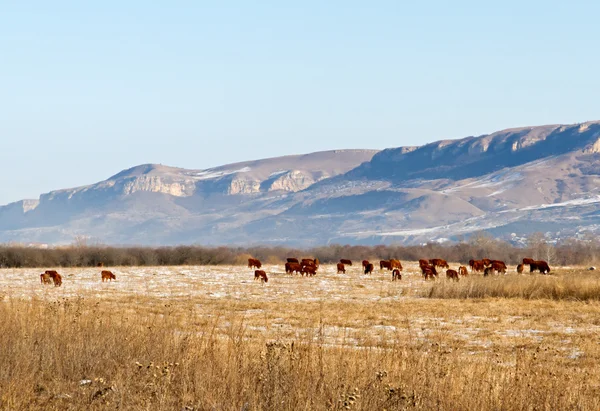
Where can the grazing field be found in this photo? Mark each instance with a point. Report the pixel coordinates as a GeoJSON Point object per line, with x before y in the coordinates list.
{"type": "Point", "coordinates": [212, 338]}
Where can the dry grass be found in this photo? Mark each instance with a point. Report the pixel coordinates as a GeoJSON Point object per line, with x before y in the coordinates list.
{"type": "Point", "coordinates": [213, 339]}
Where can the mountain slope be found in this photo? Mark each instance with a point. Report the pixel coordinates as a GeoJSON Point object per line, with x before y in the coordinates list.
{"type": "Point", "coordinates": [510, 183]}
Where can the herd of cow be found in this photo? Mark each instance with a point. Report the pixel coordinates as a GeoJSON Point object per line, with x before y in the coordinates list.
{"type": "Point", "coordinates": [51, 276]}
{"type": "Point", "coordinates": [428, 268]}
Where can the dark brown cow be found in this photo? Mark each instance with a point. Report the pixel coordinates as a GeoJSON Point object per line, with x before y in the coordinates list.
{"type": "Point", "coordinates": [292, 260]}
{"type": "Point", "coordinates": [438, 262]}
{"type": "Point", "coordinates": [539, 265]}
{"type": "Point", "coordinates": [423, 263]}
{"type": "Point", "coordinates": [254, 263]}
{"type": "Point", "coordinates": [346, 262]}
{"type": "Point", "coordinates": [396, 264]}
{"type": "Point", "coordinates": [309, 270]}
{"type": "Point", "coordinates": [396, 275]}
{"type": "Point", "coordinates": [291, 267]}
{"type": "Point", "coordinates": [261, 275]}
{"type": "Point", "coordinates": [385, 264]}
{"type": "Point", "coordinates": [56, 277]}
{"type": "Point", "coordinates": [488, 271]}
{"type": "Point", "coordinates": [45, 278]}
{"type": "Point", "coordinates": [462, 270]}
{"type": "Point", "coordinates": [107, 276]}
{"type": "Point", "coordinates": [364, 263]}
{"type": "Point", "coordinates": [471, 264]}
{"type": "Point", "coordinates": [341, 268]}
{"type": "Point", "coordinates": [429, 272]}
{"type": "Point", "coordinates": [528, 261]}
{"type": "Point", "coordinates": [452, 275]}
{"type": "Point", "coordinates": [520, 268]}
{"type": "Point", "coordinates": [369, 268]}
{"type": "Point", "coordinates": [486, 262]}
{"type": "Point", "coordinates": [478, 266]}
{"type": "Point", "coordinates": [499, 267]}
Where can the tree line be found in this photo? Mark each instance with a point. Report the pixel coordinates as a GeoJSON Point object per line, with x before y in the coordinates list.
{"type": "Point", "coordinates": [569, 252]}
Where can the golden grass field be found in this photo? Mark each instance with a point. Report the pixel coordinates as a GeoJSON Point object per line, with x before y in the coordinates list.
{"type": "Point", "coordinates": [212, 338]}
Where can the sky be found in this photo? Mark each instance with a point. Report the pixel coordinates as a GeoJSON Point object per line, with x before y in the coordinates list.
{"type": "Point", "coordinates": [88, 89]}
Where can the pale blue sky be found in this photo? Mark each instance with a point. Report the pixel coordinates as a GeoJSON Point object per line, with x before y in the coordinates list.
{"type": "Point", "coordinates": [87, 90]}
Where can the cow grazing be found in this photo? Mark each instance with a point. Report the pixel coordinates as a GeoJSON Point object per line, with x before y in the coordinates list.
{"type": "Point", "coordinates": [369, 268]}
{"type": "Point", "coordinates": [346, 262]}
{"type": "Point", "coordinates": [107, 276]}
{"type": "Point", "coordinates": [499, 267]}
{"type": "Point", "coordinates": [385, 264]}
{"type": "Point", "coordinates": [56, 277]}
{"type": "Point", "coordinates": [429, 272]}
{"type": "Point", "coordinates": [462, 270]}
{"type": "Point", "coordinates": [478, 266]}
{"type": "Point", "coordinates": [45, 278]}
{"type": "Point", "coordinates": [520, 268]}
{"type": "Point", "coordinates": [254, 263]}
{"type": "Point", "coordinates": [396, 264]}
{"type": "Point", "coordinates": [365, 263]}
{"type": "Point", "coordinates": [341, 268]}
{"type": "Point", "coordinates": [292, 260]}
{"type": "Point", "coordinates": [309, 261]}
{"type": "Point", "coordinates": [423, 263]}
{"type": "Point", "coordinates": [290, 268]}
{"type": "Point", "coordinates": [309, 270]}
{"type": "Point", "coordinates": [540, 265]}
{"type": "Point", "coordinates": [486, 262]}
{"type": "Point", "coordinates": [452, 275]}
{"type": "Point", "coordinates": [528, 261]}
{"type": "Point", "coordinates": [396, 275]}
{"type": "Point", "coordinates": [261, 275]}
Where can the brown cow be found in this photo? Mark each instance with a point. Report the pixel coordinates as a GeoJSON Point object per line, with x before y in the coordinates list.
{"type": "Point", "coordinates": [346, 262]}
{"type": "Point", "coordinates": [471, 264]}
{"type": "Point", "coordinates": [528, 261]}
{"type": "Point", "coordinates": [369, 268]}
{"type": "Point", "coordinates": [423, 263]}
{"type": "Point", "coordinates": [254, 263]}
{"type": "Point", "coordinates": [486, 262]}
{"type": "Point", "coordinates": [291, 267]}
{"type": "Point", "coordinates": [396, 275]}
{"type": "Point", "coordinates": [261, 275]}
{"type": "Point", "coordinates": [462, 270]}
{"type": "Point", "coordinates": [540, 265]}
{"type": "Point", "coordinates": [478, 266]}
{"type": "Point", "coordinates": [429, 272]}
{"type": "Point", "coordinates": [488, 271]}
{"type": "Point", "coordinates": [308, 261]}
{"type": "Point", "coordinates": [520, 268]}
{"type": "Point", "coordinates": [308, 270]}
{"type": "Point", "coordinates": [365, 263]}
{"type": "Point", "coordinates": [45, 278]}
{"type": "Point", "coordinates": [56, 277]}
{"type": "Point", "coordinates": [292, 260]}
{"type": "Point", "coordinates": [341, 268]}
{"type": "Point", "coordinates": [452, 274]}
{"type": "Point", "coordinates": [385, 264]}
{"type": "Point", "coordinates": [107, 276]}
{"type": "Point", "coordinates": [499, 267]}
{"type": "Point", "coordinates": [396, 264]}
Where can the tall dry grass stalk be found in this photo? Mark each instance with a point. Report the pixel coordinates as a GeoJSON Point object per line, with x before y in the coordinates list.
{"type": "Point", "coordinates": [75, 354]}
{"type": "Point", "coordinates": [580, 287]}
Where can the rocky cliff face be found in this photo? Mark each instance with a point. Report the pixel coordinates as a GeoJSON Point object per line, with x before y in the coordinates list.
{"type": "Point", "coordinates": [509, 183]}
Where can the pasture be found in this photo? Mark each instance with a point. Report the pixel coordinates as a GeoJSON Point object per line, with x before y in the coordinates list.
{"type": "Point", "coordinates": [213, 338]}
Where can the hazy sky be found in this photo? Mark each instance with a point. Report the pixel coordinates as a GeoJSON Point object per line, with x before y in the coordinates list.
{"type": "Point", "coordinates": [90, 88]}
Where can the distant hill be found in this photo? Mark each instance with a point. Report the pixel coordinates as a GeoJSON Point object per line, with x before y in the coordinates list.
{"type": "Point", "coordinates": [510, 183]}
